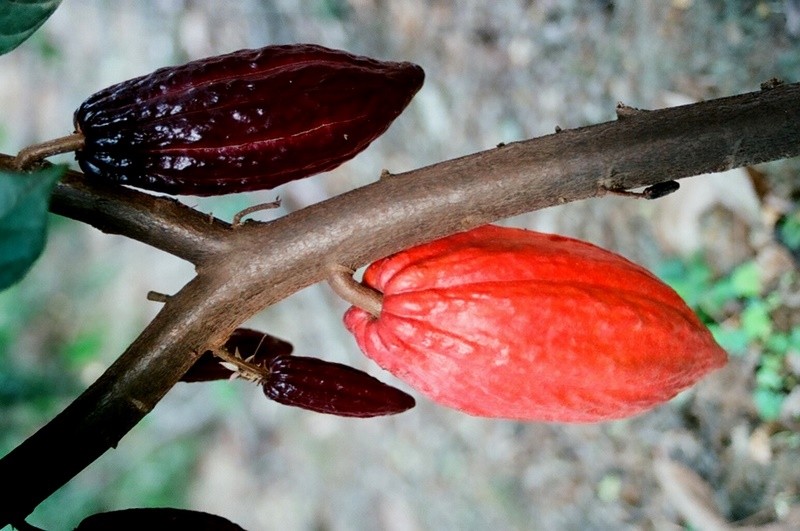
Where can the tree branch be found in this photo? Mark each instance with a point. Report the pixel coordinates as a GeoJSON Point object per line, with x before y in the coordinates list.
{"type": "Point", "coordinates": [161, 222]}
{"type": "Point", "coordinates": [257, 265]}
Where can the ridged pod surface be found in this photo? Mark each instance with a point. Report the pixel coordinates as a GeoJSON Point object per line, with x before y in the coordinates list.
{"type": "Point", "coordinates": [256, 347]}
{"type": "Point", "coordinates": [333, 388]}
{"type": "Point", "coordinates": [304, 382]}
{"type": "Point", "coordinates": [248, 120]}
{"type": "Point", "coordinates": [509, 323]}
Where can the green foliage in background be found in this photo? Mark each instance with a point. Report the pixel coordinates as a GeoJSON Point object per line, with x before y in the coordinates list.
{"type": "Point", "coordinates": [738, 311]}
{"type": "Point", "coordinates": [50, 350]}
{"type": "Point", "coordinates": [156, 474]}
{"type": "Point", "coordinates": [789, 231]}
{"type": "Point", "coordinates": [20, 18]}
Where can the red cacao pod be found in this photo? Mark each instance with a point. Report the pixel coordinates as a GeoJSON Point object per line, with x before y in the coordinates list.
{"type": "Point", "coordinates": [249, 120]}
{"type": "Point", "coordinates": [502, 322]}
{"type": "Point", "coordinates": [257, 347]}
{"type": "Point", "coordinates": [333, 388]}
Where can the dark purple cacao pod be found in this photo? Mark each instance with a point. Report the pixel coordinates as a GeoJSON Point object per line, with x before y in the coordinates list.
{"type": "Point", "coordinates": [328, 387]}
{"type": "Point", "coordinates": [155, 519]}
{"type": "Point", "coordinates": [248, 120]}
{"type": "Point", "coordinates": [248, 343]}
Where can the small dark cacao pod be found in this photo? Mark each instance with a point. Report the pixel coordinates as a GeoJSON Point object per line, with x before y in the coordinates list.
{"type": "Point", "coordinates": [248, 120]}
{"type": "Point", "coordinates": [156, 519]}
{"type": "Point", "coordinates": [333, 388]}
{"type": "Point", "coordinates": [258, 347]}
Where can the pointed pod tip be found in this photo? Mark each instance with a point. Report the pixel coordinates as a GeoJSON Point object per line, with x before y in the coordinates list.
{"type": "Point", "coordinates": [332, 388]}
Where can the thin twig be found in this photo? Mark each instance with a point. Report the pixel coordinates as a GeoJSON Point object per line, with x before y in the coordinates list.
{"type": "Point", "coordinates": [155, 296]}
{"type": "Point", "coordinates": [237, 219]}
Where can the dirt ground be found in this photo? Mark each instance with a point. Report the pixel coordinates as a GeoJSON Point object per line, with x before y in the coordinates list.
{"type": "Point", "coordinates": [496, 72]}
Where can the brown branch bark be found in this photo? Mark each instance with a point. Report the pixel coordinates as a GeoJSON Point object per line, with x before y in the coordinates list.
{"type": "Point", "coordinates": [257, 265]}
{"type": "Point", "coordinates": [160, 222]}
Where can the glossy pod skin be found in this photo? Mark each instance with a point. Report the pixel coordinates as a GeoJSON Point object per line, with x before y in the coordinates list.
{"type": "Point", "coordinates": [327, 387]}
{"type": "Point", "coordinates": [248, 120]}
{"type": "Point", "coordinates": [304, 382]}
{"type": "Point", "coordinates": [509, 323]}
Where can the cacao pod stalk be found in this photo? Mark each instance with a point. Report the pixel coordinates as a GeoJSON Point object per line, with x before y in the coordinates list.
{"type": "Point", "coordinates": [256, 347]}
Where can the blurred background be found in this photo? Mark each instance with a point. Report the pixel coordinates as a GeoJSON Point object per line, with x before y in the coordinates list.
{"type": "Point", "coordinates": [496, 72]}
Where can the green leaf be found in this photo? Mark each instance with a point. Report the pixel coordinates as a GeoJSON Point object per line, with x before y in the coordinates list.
{"type": "Point", "coordinates": [24, 199]}
{"type": "Point", "coordinates": [20, 18]}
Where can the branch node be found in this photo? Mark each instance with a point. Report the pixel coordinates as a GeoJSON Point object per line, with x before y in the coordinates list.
{"type": "Point", "coordinates": [771, 83]}
{"type": "Point", "coordinates": [341, 281]}
{"type": "Point", "coordinates": [237, 219]}
{"type": "Point", "coordinates": [626, 111]}
{"type": "Point", "coordinates": [651, 192]}
{"type": "Point", "coordinates": [156, 296]}
{"type": "Point", "coordinates": [139, 405]}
